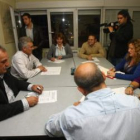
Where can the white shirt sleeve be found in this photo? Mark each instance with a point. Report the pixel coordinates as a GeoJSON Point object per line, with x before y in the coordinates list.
{"type": "Point", "coordinates": [25, 104]}
{"type": "Point", "coordinates": [23, 70]}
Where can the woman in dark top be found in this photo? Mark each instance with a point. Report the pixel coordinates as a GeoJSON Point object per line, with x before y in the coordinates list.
{"type": "Point", "coordinates": [130, 65]}
{"type": "Point", "coordinates": [59, 50]}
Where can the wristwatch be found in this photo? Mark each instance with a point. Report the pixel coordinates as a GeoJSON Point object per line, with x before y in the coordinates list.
{"type": "Point", "coordinates": [131, 86]}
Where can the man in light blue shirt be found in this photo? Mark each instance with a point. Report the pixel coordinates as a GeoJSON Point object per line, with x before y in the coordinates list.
{"type": "Point", "coordinates": [103, 115]}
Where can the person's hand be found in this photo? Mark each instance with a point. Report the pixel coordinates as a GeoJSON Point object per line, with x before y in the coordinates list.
{"type": "Point", "coordinates": [111, 74]}
{"type": "Point", "coordinates": [59, 57]}
{"type": "Point", "coordinates": [53, 59]}
{"type": "Point", "coordinates": [110, 29]}
{"type": "Point", "coordinates": [129, 91]}
{"type": "Point", "coordinates": [112, 69]}
{"type": "Point", "coordinates": [32, 101]}
{"type": "Point", "coordinates": [89, 57]}
{"type": "Point", "coordinates": [76, 103]}
{"type": "Point", "coordinates": [37, 88]}
{"type": "Point", "coordinates": [42, 68]}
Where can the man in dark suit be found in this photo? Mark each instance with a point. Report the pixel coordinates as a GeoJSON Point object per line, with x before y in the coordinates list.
{"type": "Point", "coordinates": [9, 88]}
{"type": "Point", "coordinates": [35, 33]}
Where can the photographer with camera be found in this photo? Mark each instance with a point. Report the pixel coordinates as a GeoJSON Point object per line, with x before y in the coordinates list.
{"type": "Point", "coordinates": [120, 36]}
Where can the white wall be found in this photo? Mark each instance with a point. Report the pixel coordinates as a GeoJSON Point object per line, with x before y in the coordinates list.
{"type": "Point", "coordinates": [29, 4]}
{"type": "Point", "coordinates": [10, 47]}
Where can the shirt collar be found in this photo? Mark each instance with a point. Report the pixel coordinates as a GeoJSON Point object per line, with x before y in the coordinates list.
{"type": "Point", "coordinates": [100, 93]}
{"type": "Point", "coordinates": [30, 28]}
{"type": "Point", "coordinates": [25, 54]}
{"type": "Point", "coordinates": [1, 76]}
{"type": "Point", "coordinates": [58, 47]}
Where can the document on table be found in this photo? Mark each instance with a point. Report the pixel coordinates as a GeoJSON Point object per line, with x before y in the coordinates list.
{"type": "Point", "coordinates": [88, 61]}
{"type": "Point", "coordinates": [52, 71]}
{"type": "Point", "coordinates": [57, 61]}
{"type": "Point", "coordinates": [103, 69]}
{"type": "Point", "coordinates": [45, 97]}
{"type": "Point", "coordinates": [119, 90]}
{"type": "Point", "coordinates": [116, 90]}
{"type": "Point", "coordinates": [82, 99]}
{"type": "Point", "coordinates": [95, 59]}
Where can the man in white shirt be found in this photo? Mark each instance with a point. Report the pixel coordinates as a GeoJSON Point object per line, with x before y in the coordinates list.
{"type": "Point", "coordinates": [103, 115]}
{"type": "Point", "coordinates": [24, 64]}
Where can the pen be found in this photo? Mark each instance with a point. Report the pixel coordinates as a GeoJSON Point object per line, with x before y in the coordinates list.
{"type": "Point", "coordinates": [38, 88]}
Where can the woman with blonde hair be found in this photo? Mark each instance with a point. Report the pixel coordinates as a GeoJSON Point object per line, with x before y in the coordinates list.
{"type": "Point", "coordinates": [60, 49]}
{"type": "Point", "coordinates": [130, 65]}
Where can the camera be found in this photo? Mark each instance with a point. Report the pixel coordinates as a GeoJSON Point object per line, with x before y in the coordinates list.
{"type": "Point", "coordinates": [112, 24]}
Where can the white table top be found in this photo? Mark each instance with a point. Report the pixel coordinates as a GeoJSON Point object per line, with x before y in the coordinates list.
{"type": "Point", "coordinates": [32, 122]}
{"type": "Point", "coordinates": [105, 63]}
{"type": "Point", "coordinates": [64, 79]}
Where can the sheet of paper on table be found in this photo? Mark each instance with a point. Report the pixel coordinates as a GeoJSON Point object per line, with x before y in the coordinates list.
{"type": "Point", "coordinates": [45, 97]}
{"type": "Point", "coordinates": [116, 90]}
{"type": "Point", "coordinates": [119, 90]}
{"type": "Point", "coordinates": [103, 69]}
{"type": "Point", "coordinates": [57, 61]}
{"type": "Point", "coordinates": [88, 61]}
{"type": "Point", "coordinates": [52, 71]}
{"type": "Point", "coordinates": [95, 59]}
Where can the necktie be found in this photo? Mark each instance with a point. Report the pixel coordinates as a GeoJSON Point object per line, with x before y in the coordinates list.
{"type": "Point", "coordinates": [2, 87]}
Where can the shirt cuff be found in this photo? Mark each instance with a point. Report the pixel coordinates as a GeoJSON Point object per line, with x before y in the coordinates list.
{"type": "Point", "coordinates": [25, 104]}
{"type": "Point", "coordinates": [37, 70]}
{"type": "Point", "coordinates": [30, 87]}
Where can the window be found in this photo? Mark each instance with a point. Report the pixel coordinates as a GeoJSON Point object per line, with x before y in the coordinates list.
{"type": "Point", "coordinates": [88, 23]}
{"type": "Point", "coordinates": [63, 22]}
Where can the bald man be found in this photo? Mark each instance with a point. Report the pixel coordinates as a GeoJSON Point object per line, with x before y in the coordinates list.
{"type": "Point", "coordinates": [103, 115]}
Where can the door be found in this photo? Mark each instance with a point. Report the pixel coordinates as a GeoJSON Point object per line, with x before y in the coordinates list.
{"type": "Point", "coordinates": [15, 17]}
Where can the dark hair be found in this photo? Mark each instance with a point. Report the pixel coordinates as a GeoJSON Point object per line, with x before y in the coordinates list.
{"type": "Point", "coordinates": [2, 49]}
{"type": "Point", "coordinates": [136, 43]}
{"type": "Point", "coordinates": [89, 80]}
{"type": "Point", "coordinates": [59, 35]}
{"type": "Point", "coordinates": [92, 35]}
{"type": "Point", "coordinates": [26, 14]}
{"type": "Point", "coordinates": [125, 14]}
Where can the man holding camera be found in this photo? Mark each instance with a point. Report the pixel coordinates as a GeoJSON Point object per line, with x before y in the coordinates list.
{"type": "Point", "coordinates": [120, 37]}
